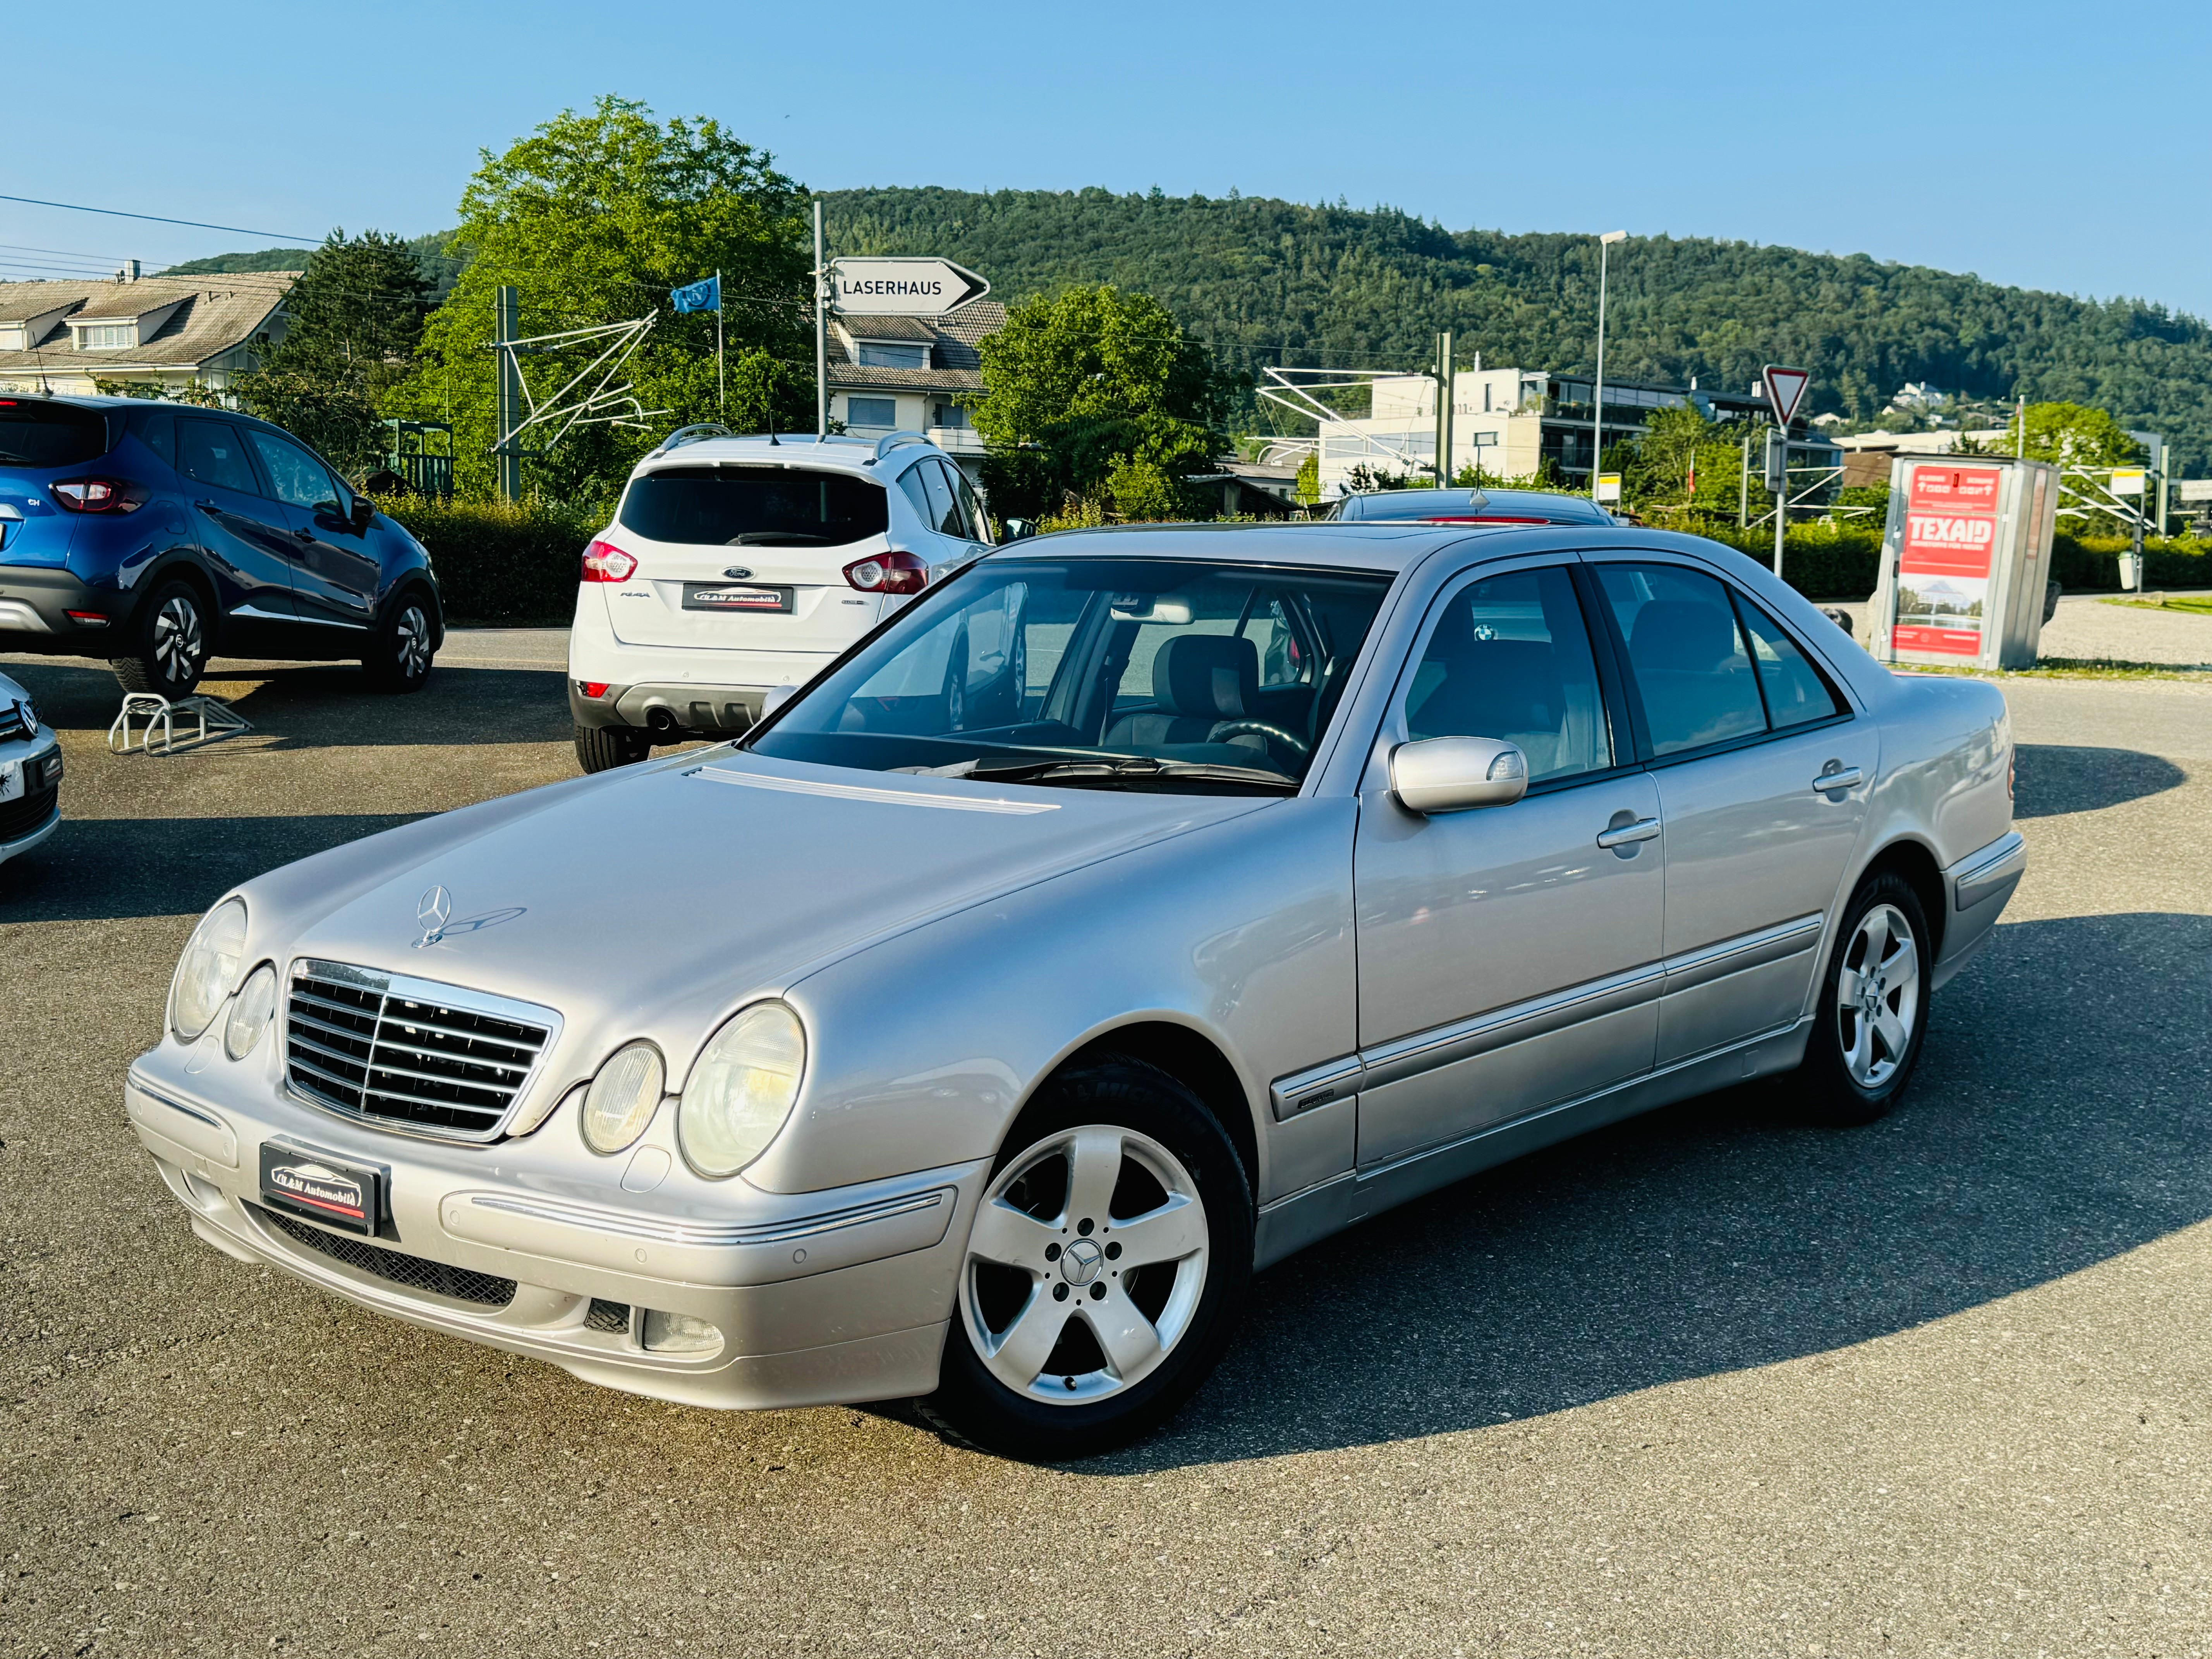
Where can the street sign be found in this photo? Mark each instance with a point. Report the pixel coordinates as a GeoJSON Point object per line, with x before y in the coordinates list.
{"type": "Point", "coordinates": [901, 288]}
{"type": "Point", "coordinates": [2127, 481]}
{"type": "Point", "coordinates": [1608, 486]}
{"type": "Point", "coordinates": [1784, 386]}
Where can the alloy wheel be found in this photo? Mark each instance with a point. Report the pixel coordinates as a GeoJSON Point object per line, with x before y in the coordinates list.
{"type": "Point", "coordinates": [1878, 996]}
{"type": "Point", "coordinates": [178, 641]}
{"type": "Point", "coordinates": [410, 643]}
{"type": "Point", "coordinates": [1085, 1265]}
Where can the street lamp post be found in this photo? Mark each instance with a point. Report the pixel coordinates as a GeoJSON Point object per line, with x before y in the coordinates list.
{"type": "Point", "coordinates": [1597, 401]}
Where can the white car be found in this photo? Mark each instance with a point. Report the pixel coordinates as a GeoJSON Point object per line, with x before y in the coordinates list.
{"type": "Point", "coordinates": [738, 565]}
{"type": "Point", "coordinates": [30, 773]}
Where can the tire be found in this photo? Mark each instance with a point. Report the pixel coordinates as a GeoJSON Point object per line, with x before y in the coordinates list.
{"type": "Point", "coordinates": [405, 643]}
{"type": "Point", "coordinates": [1049, 1278]}
{"type": "Point", "coordinates": [172, 645]}
{"type": "Point", "coordinates": [603, 748]}
{"type": "Point", "coordinates": [1857, 1063]}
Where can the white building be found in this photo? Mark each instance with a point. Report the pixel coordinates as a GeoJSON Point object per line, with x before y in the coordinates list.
{"type": "Point", "coordinates": [911, 373]}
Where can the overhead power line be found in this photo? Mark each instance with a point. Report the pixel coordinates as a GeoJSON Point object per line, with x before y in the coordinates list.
{"type": "Point", "coordinates": [156, 219]}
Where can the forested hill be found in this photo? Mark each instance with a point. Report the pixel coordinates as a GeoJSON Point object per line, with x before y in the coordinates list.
{"type": "Point", "coordinates": [1268, 281]}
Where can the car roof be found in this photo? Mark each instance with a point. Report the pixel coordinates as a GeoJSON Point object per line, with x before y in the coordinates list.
{"type": "Point", "coordinates": [1384, 506]}
{"type": "Point", "coordinates": [840, 453]}
{"type": "Point", "coordinates": [1386, 548]}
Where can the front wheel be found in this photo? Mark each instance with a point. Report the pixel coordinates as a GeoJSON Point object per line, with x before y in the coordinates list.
{"type": "Point", "coordinates": [172, 644]}
{"type": "Point", "coordinates": [398, 657]}
{"type": "Point", "coordinates": [1873, 1005]}
{"type": "Point", "coordinates": [1105, 1270]}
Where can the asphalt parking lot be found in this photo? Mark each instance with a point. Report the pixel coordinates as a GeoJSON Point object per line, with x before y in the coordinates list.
{"type": "Point", "coordinates": [1714, 1383]}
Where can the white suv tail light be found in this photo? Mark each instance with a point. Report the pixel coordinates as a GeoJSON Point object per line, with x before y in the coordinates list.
{"type": "Point", "coordinates": [605, 562]}
{"type": "Point", "coordinates": [888, 573]}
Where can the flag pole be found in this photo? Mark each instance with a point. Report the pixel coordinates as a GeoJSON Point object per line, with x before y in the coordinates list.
{"type": "Point", "coordinates": [721, 394]}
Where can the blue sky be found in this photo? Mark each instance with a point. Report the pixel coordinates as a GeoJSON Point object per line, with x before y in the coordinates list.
{"type": "Point", "coordinates": [2056, 147]}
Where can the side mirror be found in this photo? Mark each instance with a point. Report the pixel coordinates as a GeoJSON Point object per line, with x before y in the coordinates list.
{"type": "Point", "coordinates": [363, 510]}
{"type": "Point", "coordinates": [1452, 775]}
{"type": "Point", "coordinates": [777, 696]}
{"type": "Point", "coordinates": [1018, 530]}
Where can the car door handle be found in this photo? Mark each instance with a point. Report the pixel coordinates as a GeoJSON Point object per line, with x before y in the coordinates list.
{"type": "Point", "coordinates": [1850, 778]}
{"type": "Point", "coordinates": [208, 507]}
{"type": "Point", "coordinates": [1642, 829]}
{"type": "Point", "coordinates": [303, 535]}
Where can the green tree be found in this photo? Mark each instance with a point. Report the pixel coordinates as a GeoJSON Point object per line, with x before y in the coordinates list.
{"type": "Point", "coordinates": [2073, 434]}
{"type": "Point", "coordinates": [1081, 383]}
{"type": "Point", "coordinates": [594, 218]}
{"type": "Point", "coordinates": [353, 320]}
{"type": "Point", "coordinates": [1308, 482]}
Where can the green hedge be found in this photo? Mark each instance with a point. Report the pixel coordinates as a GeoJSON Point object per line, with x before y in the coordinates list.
{"type": "Point", "coordinates": [499, 564]}
{"type": "Point", "coordinates": [1841, 561]}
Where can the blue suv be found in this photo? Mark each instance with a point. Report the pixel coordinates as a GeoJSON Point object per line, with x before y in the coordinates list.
{"type": "Point", "coordinates": [155, 535]}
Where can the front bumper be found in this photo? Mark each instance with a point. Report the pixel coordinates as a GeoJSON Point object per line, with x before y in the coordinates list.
{"type": "Point", "coordinates": [818, 1299]}
{"type": "Point", "coordinates": [20, 831]}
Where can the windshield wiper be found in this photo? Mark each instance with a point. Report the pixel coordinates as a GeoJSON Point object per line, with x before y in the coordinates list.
{"type": "Point", "coordinates": [1124, 772]}
{"type": "Point", "coordinates": [776, 538]}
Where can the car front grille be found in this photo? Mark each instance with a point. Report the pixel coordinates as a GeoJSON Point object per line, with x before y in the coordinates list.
{"type": "Point", "coordinates": [28, 812]}
{"type": "Point", "coordinates": [411, 1054]}
{"type": "Point", "coordinates": [411, 1272]}
{"type": "Point", "coordinates": [15, 721]}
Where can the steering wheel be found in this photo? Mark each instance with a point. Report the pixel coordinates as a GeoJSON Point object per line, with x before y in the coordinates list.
{"type": "Point", "coordinates": [1228, 729]}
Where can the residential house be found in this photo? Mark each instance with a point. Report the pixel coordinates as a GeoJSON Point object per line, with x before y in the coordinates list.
{"type": "Point", "coordinates": [160, 333]}
{"type": "Point", "coordinates": [913, 374]}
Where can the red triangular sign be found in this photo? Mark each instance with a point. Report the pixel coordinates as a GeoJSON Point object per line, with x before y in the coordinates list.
{"type": "Point", "coordinates": [1784, 386]}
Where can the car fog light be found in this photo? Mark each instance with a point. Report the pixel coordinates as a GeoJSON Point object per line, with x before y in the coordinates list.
{"type": "Point", "coordinates": [676, 1332]}
{"type": "Point", "coordinates": [741, 1088]}
{"type": "Point", "coordinates": [208, 970]}
{"type": "Point", "coordinates": [249, 1014]}
{"type": "Point", "coordinates": [622, 1097]}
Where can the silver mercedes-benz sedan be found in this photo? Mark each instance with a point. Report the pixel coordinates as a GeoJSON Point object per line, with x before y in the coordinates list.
{"type": "Point", "coordinates": [1134, 908]}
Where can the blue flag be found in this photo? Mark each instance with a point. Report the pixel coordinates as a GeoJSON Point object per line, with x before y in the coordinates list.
{"type": "Point", "coordinates": [700, 296]}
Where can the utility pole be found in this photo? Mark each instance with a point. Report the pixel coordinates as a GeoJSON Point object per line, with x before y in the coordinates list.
{"type": "Point", "coordinates": [509, 329]}
{"type": "Point", "coordinates": [1443, 456]}
{"type": "Point", "coordinates": [821, 331]}
{"type": "Point", "coordinates": [721, 385]}
{"type": "Point", "coordinates": [1743, 495]}
{"type": "Point", "coordinates": [1597, 399]}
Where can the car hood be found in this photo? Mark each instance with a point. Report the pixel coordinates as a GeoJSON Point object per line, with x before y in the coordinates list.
{"type": "Point", "coordinates": [684, 885]}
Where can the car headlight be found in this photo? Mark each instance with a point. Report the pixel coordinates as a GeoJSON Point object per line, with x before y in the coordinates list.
{"type": "Point", "coordinates": [741, 1088]}
{"type": "Point", "coordinates": [249, 1014]}
{"type": "Point", "coordinates": [208, 970]}
{"type": "Point", "coordinates": [621, 1100]}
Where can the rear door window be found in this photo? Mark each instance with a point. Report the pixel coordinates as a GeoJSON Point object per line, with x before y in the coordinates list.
{"type": "Point", "coordinates": [753, 506]}
{"type": "Point", "coordinates": [213, 452]}
{"type": "Point", "coordinates": [1796, 692]}
{"type": "Point", "coordinates": [1686, 653]}
{"type": "Point", "coordinates": [34, 432]}
{"type": "Point", "coordinates": [944, 509]}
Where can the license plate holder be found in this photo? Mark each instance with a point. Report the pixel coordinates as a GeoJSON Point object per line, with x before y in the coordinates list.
{"type": "Point", "coordinates": [320, 1186]}
{"type": "Point", "coordinates": [738, 599]}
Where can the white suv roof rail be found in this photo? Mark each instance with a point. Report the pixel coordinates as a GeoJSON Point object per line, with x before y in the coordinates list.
{"type": "Point", "coordinates": [692, 435]}
{"type": "Point", "coordinates": [896, 440]}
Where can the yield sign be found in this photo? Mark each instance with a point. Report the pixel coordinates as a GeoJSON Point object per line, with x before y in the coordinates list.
{"type": "Point", "coordinates": [1784, 387]}
{"type": "Point", "coordinates": [902, 288]}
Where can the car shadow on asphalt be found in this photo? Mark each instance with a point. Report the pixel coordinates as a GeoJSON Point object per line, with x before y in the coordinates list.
{"type": "Point", "coordinates": [2055, 779]}
{"type": "Point", "coordinates": [326, 706]}
{"type": "Point", "coordinates": [1726, 1232]}
{"type": "Point", "coordinates": [106, 869]}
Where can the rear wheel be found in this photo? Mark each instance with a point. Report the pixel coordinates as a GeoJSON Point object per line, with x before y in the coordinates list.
{"type": "Point", "coordinates": [398, 657]}
{"type": "Point", "coordinates": [1105, 1270]}
{"type": "Point", "coordinates": [172, 643]}
{"type": "Point", "coordinates": [603, 748]}
{"type": "Point", "coordinates": [1873, 1005]}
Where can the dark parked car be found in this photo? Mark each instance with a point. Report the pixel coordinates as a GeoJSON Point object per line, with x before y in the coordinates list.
{"type": "Point", "coordinates": [1469, 507]}
{"type": "Point", "coordinates": [153, 536]}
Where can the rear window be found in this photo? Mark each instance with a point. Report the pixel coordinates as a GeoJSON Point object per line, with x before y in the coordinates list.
{"type": "Point", "coordinates": [753, 506]}
{"type": "Point", "coordinates": [36, 433]}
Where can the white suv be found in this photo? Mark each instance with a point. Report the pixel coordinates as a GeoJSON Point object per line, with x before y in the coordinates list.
{"type": "Point", "coordinates": [737, 565]}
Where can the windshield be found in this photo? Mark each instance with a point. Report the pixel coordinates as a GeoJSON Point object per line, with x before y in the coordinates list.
{"type": "Point", "coordinates": [36, 433]}
{"type": "Point", "coordinates": [753, 506]}
{"type": "Point", "coordinates": [1158, 674]}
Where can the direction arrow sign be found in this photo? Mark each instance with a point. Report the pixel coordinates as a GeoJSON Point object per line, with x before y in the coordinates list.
{"type": "Point", "coordinates": [901, 288]}
{"type": "Point", "coordinates": [1784, 386]}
